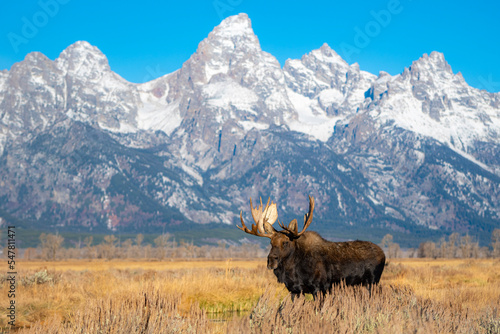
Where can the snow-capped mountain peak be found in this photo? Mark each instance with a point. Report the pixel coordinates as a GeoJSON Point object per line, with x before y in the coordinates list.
{"type": "Point", "coordinates": [84, 60]}
{"type": "Point", "coordinates": [416, 148]}
{"type": "Point", "coordinates": [231, 49]}
{"type": "Point", "coordinates": [327, 55]}
{"type": "Point", "coordinates": [229, 86]}
{"type": "Point", "coordinates": [233, 26]}
{"type": "Point", "coordinates": [431, 69]}
{"type": "Point", "coordinates": [34, 59]}
{"type": "Point", "coordinates": [433, 62]}
{"type": "Point", "coordinates": [429, 99]}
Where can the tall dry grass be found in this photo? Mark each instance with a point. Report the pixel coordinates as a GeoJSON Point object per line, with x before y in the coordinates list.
{"type": "Point", "coordinates": [418, 296]}
{"type": "Point", "coordinates": [215, 286]}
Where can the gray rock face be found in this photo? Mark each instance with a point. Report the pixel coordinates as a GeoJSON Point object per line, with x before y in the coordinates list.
{"type": "Point", "coordinates": [330, 84]}
{"type": "Point", "coordinates": [82, 147]}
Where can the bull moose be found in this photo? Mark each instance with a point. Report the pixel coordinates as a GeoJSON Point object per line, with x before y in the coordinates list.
{"type": "Point", "coordinates": [306, 262]}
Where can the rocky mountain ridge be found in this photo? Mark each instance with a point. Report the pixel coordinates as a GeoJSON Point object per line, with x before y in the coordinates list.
{"type": "Point", "coordinates": [81, 146]}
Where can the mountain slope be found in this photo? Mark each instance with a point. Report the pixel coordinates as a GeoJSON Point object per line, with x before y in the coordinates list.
{"type": "Point", "coordinates": [80, 147]}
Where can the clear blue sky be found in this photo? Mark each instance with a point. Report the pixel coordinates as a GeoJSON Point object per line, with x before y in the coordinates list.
{"type": "Point", "coordinates": [146, 39]}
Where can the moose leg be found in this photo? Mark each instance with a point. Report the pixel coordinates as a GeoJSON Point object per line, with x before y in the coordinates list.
{"type": "Point", "coordinates": [368, 279]}
{"type": "Point", "coordinates": [321, 297]}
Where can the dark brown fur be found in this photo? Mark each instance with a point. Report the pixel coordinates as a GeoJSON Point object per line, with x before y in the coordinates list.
{"type": "Point", "coordinates": [311, 264]}
{"type": "Point", "coordinates": [306, 262]}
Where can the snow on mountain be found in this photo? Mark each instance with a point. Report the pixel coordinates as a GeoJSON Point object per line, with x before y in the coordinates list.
{"type": "Point", "coordinates": [231, 78]}
{"type": "Point", "coordinates": [226, 95]}
{"type": "Point", "coordinates": [155, 111]}
{"type": "Point", "coordinates": [231, 57]}
{"type": "Point", "coordinates": [228, 87]}
{"type": "Point", "coordinates": [429, 99]}
{"type": "Point", "coordinates": [394, 150]}
{"type": "Point", "coordinates": [84, 61]}
{"type": "Point", "coordinates": [94, 86]}
{"type": "Point", "coordinates": [32, 96]}
{"type": "Point", "coordinates": [323, 88]}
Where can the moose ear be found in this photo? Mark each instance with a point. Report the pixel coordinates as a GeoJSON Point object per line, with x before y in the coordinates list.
{"type": "Point", "coordinates": [268, 228]}
{"type": "Point", "coordinates": [293, 227]}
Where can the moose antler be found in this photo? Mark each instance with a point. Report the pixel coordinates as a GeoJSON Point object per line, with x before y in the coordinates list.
{"type": "Point", "coordinates": [263, 219]}
{"type": "Point", "coordinates": [308, 217]}
{"type": "Point", "coordinates": [292, 228]}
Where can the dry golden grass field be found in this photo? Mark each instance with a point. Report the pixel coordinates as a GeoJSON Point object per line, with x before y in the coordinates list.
{"type": "Point", "coordinates": [240, 296]}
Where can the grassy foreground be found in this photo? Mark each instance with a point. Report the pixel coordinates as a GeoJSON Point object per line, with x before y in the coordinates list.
{"type": "Point", "coordinates": [415, 295]}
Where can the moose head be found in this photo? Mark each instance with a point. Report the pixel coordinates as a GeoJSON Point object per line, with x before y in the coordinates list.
{"type": "Point", "coordinates": [283, 242]}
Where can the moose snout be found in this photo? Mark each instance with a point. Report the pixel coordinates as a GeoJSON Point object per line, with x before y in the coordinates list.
{"type": "Point", "coordinates": [272, 262]}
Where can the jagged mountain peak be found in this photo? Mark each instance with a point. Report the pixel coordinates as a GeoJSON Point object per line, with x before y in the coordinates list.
{"type": "Point", "coordinates": [231, 48]}
{"type": "Point", "coordinates": [326, 54]}
{"type": "Point", "coordinates": [32, 61]}
{"type": "Point", "coordinates": [34, 58]}
{"type": "Point", "coordinates": [435, 57]}
{"type": "Point", "coordinates": [430, 100]}
{"type": "Point", "coordinates": [236, 25]}
{"type": "Point", "coordinates": [83, 58]}
{"type": "Point", "coordinates": [433, 63]}
{"type": "Point", "coordinates": [382, 74]}
{"type": "Point", "coordinates": [233, 34]}
{"type": "Point", "coordinates": [81, 48]}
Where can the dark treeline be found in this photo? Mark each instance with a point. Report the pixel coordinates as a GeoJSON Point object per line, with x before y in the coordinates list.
{"type": "Point", "coordinates": [165, 247]}
{"type": "Point", "coordinates": [460, 246]}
